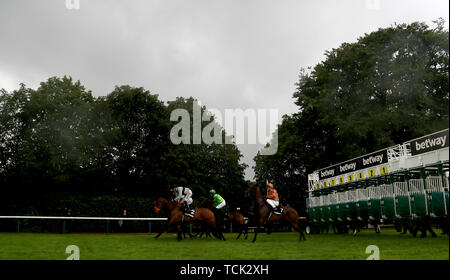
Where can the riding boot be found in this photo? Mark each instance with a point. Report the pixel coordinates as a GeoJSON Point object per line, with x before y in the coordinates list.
{"type": "Point", "coordinates": [270, 214]}
{"type": "Point", "coordinates": [184, 207]}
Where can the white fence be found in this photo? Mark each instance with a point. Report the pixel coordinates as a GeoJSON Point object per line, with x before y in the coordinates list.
{"type": "Point", "coordinates": [83, 218]}
{"type": "Point", "coordinates": [107, 219]}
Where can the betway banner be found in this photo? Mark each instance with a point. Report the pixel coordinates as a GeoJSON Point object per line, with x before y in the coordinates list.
{"type": "Point", "coordinates": [353, 165]}
{"type": "Point", "coordinates": [430, 143]}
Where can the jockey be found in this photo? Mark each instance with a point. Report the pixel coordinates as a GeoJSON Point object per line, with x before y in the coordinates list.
{"type": "Point", "coordinates": [218, 202]}
{"type": "Point", "coordinates": [183, 196]}
{"type": "Point", "coordinates": [272, 197]}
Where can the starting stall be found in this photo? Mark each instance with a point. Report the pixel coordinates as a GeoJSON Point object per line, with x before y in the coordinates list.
{"type": "Point", "coordinates": [396, 185]}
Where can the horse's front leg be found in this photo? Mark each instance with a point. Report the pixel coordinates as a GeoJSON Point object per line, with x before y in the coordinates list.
{"type": "Point", "coordinates": [256, 233]}
{"type": "Point", "coordinates": [241, 229]}
{"type": "Point", "coordinates": [191, 236]}
{"type": "Point", "coordinates": [164, 228]}
{"type": "Point", "coordinates": [269, 228]}
{"type": "Point", "coordinates": [179, 232]}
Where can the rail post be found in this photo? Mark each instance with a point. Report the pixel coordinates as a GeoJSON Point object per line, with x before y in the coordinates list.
{"type": "Point", "coordinates": [441, 173]}
{"type": "Point", "coordinates": [149, 227]}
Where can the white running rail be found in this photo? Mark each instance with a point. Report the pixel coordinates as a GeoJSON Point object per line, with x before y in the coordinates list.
{"type": "Point", "coordinates": [82, 218]}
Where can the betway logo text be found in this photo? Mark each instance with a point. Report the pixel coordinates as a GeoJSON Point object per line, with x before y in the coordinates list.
{"type": "Point", "coordinates": [370, 160]}
{"type": "Point", "coordinates": [431, 143]}
{"type": "Point", "coordinates": [348, 166]}
{"type": "Point", "coordinates": [325, 173]}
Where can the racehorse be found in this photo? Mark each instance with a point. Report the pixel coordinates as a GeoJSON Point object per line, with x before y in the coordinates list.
{"type": "Point", "coordinates": [264, 215]}
{"type": "Point", "coordinates": [238, 219]}
{"type": "Point", "coordinates": [176, 218]}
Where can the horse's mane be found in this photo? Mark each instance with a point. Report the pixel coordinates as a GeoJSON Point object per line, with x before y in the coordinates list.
{"type": "Point", "coordinates": [168, 202]}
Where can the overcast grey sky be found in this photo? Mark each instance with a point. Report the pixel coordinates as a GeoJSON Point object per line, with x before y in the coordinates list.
{"type": "Point", "coordinates": [228, 54]}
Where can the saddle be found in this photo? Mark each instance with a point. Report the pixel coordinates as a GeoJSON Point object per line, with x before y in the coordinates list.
{"type": "Point", "coordinates": [277, 210]}
{"type": "Point", "coordinates": [187, 211]}
{"type": "Point", "coordinates": [190, 213]}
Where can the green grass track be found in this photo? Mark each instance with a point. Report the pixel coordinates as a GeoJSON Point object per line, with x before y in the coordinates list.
{"type": "Point", "coordinates": [277, 246]}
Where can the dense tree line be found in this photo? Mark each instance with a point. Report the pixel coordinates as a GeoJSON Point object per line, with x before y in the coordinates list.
{"type": "Point", "coordinates": [60, 145]}
{"type": "Point", "coordinates": [390, 86]}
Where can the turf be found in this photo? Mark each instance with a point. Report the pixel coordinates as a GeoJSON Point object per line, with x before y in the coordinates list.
{"type": "Point", "coordinates": [277, 246]}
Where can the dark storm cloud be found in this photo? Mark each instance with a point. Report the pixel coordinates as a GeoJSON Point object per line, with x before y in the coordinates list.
{"type": "Point", "coordinates": [229, 54]}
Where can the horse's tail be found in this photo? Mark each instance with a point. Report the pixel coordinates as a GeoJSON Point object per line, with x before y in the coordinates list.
{"type": "Point", "coordinates": [292, 215]}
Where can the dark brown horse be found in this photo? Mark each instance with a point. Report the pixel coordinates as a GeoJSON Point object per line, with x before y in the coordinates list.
{"type": "Point", "coordinates": [203, 216]}
{"type": "Point", "coordinates": [238, 219]}
{"type": "Point", "coordinates": [263, 211]}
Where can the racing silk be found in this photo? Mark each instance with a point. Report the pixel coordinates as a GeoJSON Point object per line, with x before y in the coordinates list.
{"type": "Point", "coordinates": [182, 195]}
{"type": "Point", "coordinates": [272, 194]}
{"type": "Point", "coordinates": [217, 199]}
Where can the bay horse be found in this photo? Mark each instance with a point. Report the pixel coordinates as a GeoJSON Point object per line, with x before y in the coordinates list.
{"type": "Point", "coordinates": [263, 210]}
{"type": "Point", "coordinates": [176, 218]}
{"type": "Point", "coordinates": [238, 219]}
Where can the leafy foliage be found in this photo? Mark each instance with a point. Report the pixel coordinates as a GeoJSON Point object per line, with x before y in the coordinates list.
{"type": "Point", "coordinates": [60, 141]}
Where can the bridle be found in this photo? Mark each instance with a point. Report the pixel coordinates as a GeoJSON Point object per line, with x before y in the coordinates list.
{"type": "Point", "coordinates": [157, 209]}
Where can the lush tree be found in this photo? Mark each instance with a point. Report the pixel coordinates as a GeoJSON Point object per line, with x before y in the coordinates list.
{"type": "Point", "coordinates": [205, 166]}
{"type": "Point", "coordinates": [138, 140]}
{"type": "Point", "coordinates": [390, 86]}
{"type": "Point", "coordinates": [60, 145]}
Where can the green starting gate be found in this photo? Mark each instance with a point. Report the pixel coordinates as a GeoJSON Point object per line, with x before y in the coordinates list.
{"type": "Point", "coordinates": [402, 200]}
{"type": "Point", "coordinates": [388, 207]}
{"type": "Point", "coordinates": [437, 196]}
{"type": "Point", "coordinates": [374, 203]}
{"type": "Point", "coordinates": [362, 206]}
{"type": "Point", "coordinates": [419, 200]}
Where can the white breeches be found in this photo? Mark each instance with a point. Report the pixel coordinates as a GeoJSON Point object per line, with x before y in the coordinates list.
{"type": "Point", "coordinates": [273, 203]}
{"type": "Point", "coordinates": [188, 199]}
{"type": "Point", "coordinates": [222, 204]}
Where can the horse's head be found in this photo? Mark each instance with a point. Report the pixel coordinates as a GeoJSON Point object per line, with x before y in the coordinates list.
{"type": "Point", "coordinates": [252, 190]}
{"type": "Point", "coordinates": [231, 215]}
{"type": "Point", "coordinates": [160, 203]}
